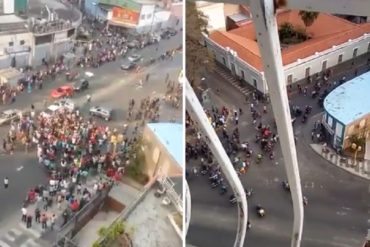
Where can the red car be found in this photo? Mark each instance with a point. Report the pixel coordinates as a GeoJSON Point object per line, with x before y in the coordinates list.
{"type": "Point", "coordinates": [62, 92]}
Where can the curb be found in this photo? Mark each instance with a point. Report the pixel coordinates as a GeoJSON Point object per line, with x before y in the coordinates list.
{"type": "Point", "coordinates": [308, 143]}
{"type": "Point", "coordinates": [364, 176]}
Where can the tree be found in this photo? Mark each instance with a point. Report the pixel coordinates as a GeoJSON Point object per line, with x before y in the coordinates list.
{"type": "Point", "coordinates": [197, 56]}
{"type": "Point", "coordinates": [308, 17]}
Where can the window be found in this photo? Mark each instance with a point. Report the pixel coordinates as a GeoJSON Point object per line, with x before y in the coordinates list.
{"type": "Point", "coordinates": [142, 17]}
{"type": "Point", "coordinates": [330, 121]}
{"type": "Point", "coordinates": [11, 43]}
{"type": "Point", "coordinates": [243, 76]}
{"type": "Point", "coordinates": [338, 130]}
{"type": "Point", "coordinates": [255, 83]}
{"type": "Point", "coordinates": [368, 47]}
{"type": "Point", "coordinates": [324, 65]}
{"type": "Point", "coordinates": [340, 58]}
{"type": "Point", "coordinates": [148, 16]}
{"type": "Point", "coordinates": [290, 79]}
{"type": "Point", "coordinates": [308, 71]}
{"type": "Point", "coordinates": [22, 42]}
{"type": "Point", "coordinates": [355, 52]}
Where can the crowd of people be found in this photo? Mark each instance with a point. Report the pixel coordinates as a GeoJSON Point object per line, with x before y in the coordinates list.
{"type": "Point", "coordinates": [71, 149]}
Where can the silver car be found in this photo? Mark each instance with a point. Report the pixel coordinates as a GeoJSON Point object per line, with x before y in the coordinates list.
{"type": "Point", "coordinates": [10, 115]}
{"type": "Point", "coordinates": [102, 112]}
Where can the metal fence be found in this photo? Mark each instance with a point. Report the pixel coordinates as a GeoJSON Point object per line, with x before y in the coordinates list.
{"type": "Point", "coordinates": [80, 219]}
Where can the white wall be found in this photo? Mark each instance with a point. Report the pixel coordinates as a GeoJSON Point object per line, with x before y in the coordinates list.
{"type": "Point", "coordinates": [8, 7]}
{"type": "Point", "coordinates": [250, 73]}
{"type": "Point", "coordinates": [215, 14]}
{"type": "Point", "coordinates": [16, 39]}
{"type": "Point", "coordinates": [146, 15]}
{"type": "Point", "coordinates": [161, 16]}
{"type": "Point", "coordinates": [298, 69]}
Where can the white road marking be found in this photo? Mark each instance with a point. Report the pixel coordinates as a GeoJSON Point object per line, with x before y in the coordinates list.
{"type": "Point", "coordinates": [16, 231]}
{"type": "Point", "coordinates": [345, 208]}
{"type": "Point", "coordinates": [19, 168]}
{"type": "Point", "coordinates": [341, 213]}
{"type": "Point", "coordinates": [3, 244]}
{"type": "Point", "coordinates": [30, 242]}
{"type": "Point", "coordinates": [10, 238]}
{"type": "Point", "coordinates": [276, 180]}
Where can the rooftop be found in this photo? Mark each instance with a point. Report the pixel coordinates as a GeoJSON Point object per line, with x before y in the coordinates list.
{"type": "Point", "coordinates": [171, 137]}
{"type": "Point", "coordinates": [325, 32]}
{"type": "Point", "coordinates": [12, 24]}
{"type": "Point", "coordinates": [349, 101]}
{"type": "Point", "coordinates": [151, 223]}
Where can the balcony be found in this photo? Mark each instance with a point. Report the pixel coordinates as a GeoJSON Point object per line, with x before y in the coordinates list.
{"type": "Point", "coordinates": [51, 27]}
{"type": "Point", "coordinates": [17, 49]}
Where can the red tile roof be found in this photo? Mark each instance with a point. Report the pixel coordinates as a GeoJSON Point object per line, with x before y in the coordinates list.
{"type": "Point", "coordinates": [325, 32]}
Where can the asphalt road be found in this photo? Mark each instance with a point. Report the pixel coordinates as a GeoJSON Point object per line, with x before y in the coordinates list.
{"type": "Point", "coordinates": [339, 205]}
{"type": "Point", "coordinates": [109, 87]}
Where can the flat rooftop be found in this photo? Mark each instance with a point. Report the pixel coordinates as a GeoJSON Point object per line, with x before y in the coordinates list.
{"type": "Point", "coordinates": [151, 224]}
{"type": "Point", "coordinates": [12, 24]}
{"type": "Point", "coordinates": [350, 101]}
{"type": "Point", "coordinates": [171, 137]}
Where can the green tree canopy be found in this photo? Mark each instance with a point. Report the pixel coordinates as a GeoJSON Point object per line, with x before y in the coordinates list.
{"type": "Point", "coordinates": [197, 56]}
{"type": "Point", "coordinates": [308, 17]}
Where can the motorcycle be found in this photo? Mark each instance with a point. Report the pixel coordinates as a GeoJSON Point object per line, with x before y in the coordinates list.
{"type": "Point", "coordinates": [249, 192]}
{"type": "Point", "coordinates": [223, 189]}
{"type": "Point", "coordinates": [286, 186]}
{"type": "Point", "coordinates": [232, 199]}
{"type": "Point", "coordinates": [260, 211]}
{"type": "Point", "coordinates": [305, 201]}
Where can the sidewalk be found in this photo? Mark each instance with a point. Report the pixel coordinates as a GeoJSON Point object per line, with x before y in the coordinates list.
{"type": "Point", "coordinates": [358, 168]}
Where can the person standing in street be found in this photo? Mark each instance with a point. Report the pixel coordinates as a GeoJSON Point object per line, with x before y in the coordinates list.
{"type": "Point", "coordinates": [6, 182]}
{"type": "Point", "coordinates": [29, 221]}
{"type": "Point", "coordinates": [24, 214]}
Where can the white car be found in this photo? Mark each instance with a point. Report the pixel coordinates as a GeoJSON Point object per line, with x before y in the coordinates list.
{"type": "Point", "coordinates": [67, 103]}
{"type": "Point", "coordinates": [10, 115]}
{"type": "Point", "coordinates": [89, 74]}
{"type": "Point", "coordinates": [134, 58]}
{"type": "Point", "coordinates": [102, 112]}
{"type": "Point", "coordinates": [50, 110]}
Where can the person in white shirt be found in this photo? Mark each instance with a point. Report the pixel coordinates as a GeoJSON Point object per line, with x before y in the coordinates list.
{"type": "Point", "coordinates": [6, 182]}
{"type": "Point", "coordinates": [24, 214]}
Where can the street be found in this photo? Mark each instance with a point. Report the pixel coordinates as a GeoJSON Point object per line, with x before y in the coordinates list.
{"type": "Point", "coordinates": [111, 87]}
{"type": "Point", "coordinates": [338, 210]}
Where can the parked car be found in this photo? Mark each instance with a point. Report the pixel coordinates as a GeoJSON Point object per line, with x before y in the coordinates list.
{"type": "Point", "coordinates": [134, 58]}
{"type": "Point", "coordinates": [128, 66]}
{"type": "Point", "coordinates": [133, 44]}
{"type": "Point", "coordinates": [62, 92]}
{"type": "Point", "coordinates": [102, 112]}
{"type": "Point", "coordinates": [81, 85]}
{"type": "Point", "coordinates": [50, 110]}
{"type": "Point", "coordinates": [9, 116]}
{"type": "Point", "coordinates": [67, 103]}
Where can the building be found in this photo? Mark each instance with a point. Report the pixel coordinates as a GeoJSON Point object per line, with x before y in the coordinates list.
{"type": "Point", "coordinates": [163, 149]}
{"type": "Point", "coordinates": [16, 42]}
{"type": "Point", "coordinates": [6, 7]}
{"type": "Point", "coordinates": [138, 16]}
{"type": "Point", "coordinates": [347, 112]}
{"type": "Point", "coordinates": [53, 27]}
{"type": "Point", "coordinates": [213, 12]}
{"type": "Point", "coordinates": [333, 41]}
